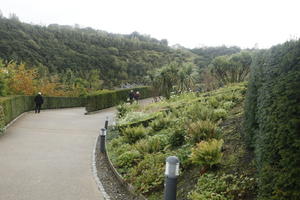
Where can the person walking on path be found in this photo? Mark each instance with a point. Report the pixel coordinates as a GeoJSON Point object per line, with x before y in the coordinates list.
{"type": "Point", "coordinates": [137, 96]}
{"type": "Point", "coordinates": [38, 99]}
{"type": "Point", "coordinates": [131, 96]}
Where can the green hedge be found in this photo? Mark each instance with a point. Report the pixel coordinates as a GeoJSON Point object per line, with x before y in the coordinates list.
{"type": "Point", "coordinates": [16, 105]}
{"type": "Point", "coordinates": [272, 120]}
{"type": "Point", "coordinates": [108, 99]}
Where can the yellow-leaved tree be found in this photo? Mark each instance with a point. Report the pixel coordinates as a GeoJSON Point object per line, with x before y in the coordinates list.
{"type": "Point", "coordinates": [21, 80]}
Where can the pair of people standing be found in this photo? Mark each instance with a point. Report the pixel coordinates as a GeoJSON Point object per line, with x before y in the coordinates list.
{"type": "Point", "coordinates": [134, 96]}
{"type": "Point", "coordinates": [38, 99]}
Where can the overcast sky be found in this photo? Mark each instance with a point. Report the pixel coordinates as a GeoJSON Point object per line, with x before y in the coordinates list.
{"type": "Point", "coordinates": [191, 23]}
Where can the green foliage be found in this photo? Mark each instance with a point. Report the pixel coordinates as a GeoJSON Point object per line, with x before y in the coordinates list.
{"type": "Point", "coordinates": [152, 144]}
{"type": "Point", "coordinates": [272, 120]}
{"type": "Point", "coordinates": [148, 175]}
{"type": "Point", "coordinates": [3, 84]}
{"type": "Point", "coordinates": [16, 105]}
{"type": "Point", "coordinates": [227, 105]}
{"type": "Point", "coordinates": [207, 153]}
{"type": "Point", "coordinates": [124, 108]}
{"type": "Point", "coordinates": [177, 137]}
{"type": "Point", "coordinates": [219, 113]}
{"type": "Point", "coordinates": [128, 159]}
{"type": "Point", "coordinates": [106, 99]}
{"type": "Point", "coordinates": [114, 58]}
{"type": "Point", "coordinates": [222, 187]}
{"type": "Point", "coordinates": [2, 120]}
{"type": "Point", "coordinates": [173, 77]}
{"type": "Point", "coordinates": [184, 155]}
{"type": "Point", "coordinates": [133, 134]}
{"type": "Point", "coordinates": [202, 130]}
{"type": "Point", "coordinates": [214, 102]}
{"type": "Point", "coordinates": [198, 111]}
{"type": "Point", "coordinates": [161, 122]}
{"type": "Point", "coordinates": [231, 69]}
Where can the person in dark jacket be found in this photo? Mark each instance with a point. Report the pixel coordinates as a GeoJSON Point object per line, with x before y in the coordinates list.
{"type": "Point", "coordinates": [131, 96]}
{"type": "Point", "coordinates": [38, 99]}
{"type": "Point", "coordinates": [137, 96]}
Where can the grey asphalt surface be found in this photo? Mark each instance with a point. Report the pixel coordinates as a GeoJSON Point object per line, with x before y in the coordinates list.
{"type": "Point", "coordinates": [48, 156]}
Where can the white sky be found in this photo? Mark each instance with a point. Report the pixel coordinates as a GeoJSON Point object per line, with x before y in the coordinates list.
{"type": "Point", "coordinates": [191, 23]}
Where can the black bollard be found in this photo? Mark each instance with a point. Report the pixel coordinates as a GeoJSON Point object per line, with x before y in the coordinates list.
{"type": "Point", "coordinates": [171, 173]}
{"type": "Point", "coordinates": [106, 123]}
{"type": "Point", "coordinates": [102, 140]}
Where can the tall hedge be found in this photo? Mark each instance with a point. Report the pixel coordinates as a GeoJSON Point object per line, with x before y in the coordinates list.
{"type": "Point", "coordinates": [16, 105]}
{"type": "Point", "coordinates": [272, 120]}
{"type": "Point", "coordinates": [108, 99]}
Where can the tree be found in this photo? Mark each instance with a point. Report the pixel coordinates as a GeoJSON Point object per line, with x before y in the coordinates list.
{"type": "Point", "coordinates": [21, 80]}
{"type": "Point", "coordinates": [231, 69]}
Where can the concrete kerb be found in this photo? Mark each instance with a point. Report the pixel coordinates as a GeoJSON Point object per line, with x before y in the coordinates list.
{"type": "Point", "coordinates": [95, 172]}
{"type": "Point", "coordinates": [128, 186]}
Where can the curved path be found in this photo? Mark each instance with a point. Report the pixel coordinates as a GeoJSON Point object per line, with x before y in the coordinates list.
{"type": "Point", "coordinates": [48, 156]}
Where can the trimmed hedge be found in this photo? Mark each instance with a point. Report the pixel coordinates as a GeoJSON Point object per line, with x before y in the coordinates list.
{"type": "Point", "coordinates": [16, 105]}
{"type": "Point", "coordinates": [272, 120]}
{"type": "Point", "coordinates": [108, 99]}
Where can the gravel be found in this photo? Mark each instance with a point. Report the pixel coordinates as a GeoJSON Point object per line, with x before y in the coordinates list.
{"type": "Point", "coordinates": [112, 186]}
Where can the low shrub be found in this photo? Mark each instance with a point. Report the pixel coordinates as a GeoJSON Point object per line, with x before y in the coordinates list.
{"type": "Point", "coordinates": [128, 159]}
{"type": "Point", "coordinates": [132, 117]}
{"type": "Point", "coordinates": [183, 155]}
{"type": "Point", "coordinates": [177, 137]}
{"type": "Point", "coordinates": [198, 111]}
{"type": "Point", "coordinates": [222, 187]}
{"type": "Point", "coordinates": [227, 105]}
{"type": "Point", "coordinates": [133, 134]}
{"type": "Point", "coordinates": [207, 153]}
{"type": "Point", "coordinates": [148, 175]}
{"type": "Point", "coordinates": [202, 130]}
{"type": "Point", "coordinates": [2, 120]}
{"type": "Point", "coordinates": [105, 99]}
{"type": "Point", "coordinates": [219, 113]}
{"type": "Point", "coordinates": [152, 144]}
{"type": "Point", "coordinates": [124, 108]}
{"type": "Point", "coordinates": [161, 122]}
{"type": "Point", "coordinates": [213, 102]}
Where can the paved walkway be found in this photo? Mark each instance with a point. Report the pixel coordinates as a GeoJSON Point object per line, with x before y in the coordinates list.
{"type": "Point", "coordinates": [48, 156]}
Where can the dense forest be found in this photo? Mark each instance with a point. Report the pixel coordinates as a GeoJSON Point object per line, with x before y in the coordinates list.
{"type": "Point", "coordinates": [91, 59]}
{"type": "Point", "coordinates": [118, 58]}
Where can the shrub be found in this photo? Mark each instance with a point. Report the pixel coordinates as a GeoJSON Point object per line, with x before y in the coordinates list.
{"type": "Point", "coordinates": [132, 117]}
{"type": "Point", "coordinates": [219, 113]}
{"type": "Point", "coordinates": [124, 108]}
{"type": "Point", "coordinates": [148, 175]}
{"type": "Point", "coordinates": [183, 153]}
{"type": "Point", "coordinates": [198, 111]}
{"type": "Point", "coordinates": [222, 187]}
{"type": "Point", "coordinates": [161, 122]}
{"type": "Point", "coordinates": [272, 120]}
{"type": "Point", "coordinates": [128, 159]}
{"type": "Point", "coordinates": [177, 137]}
{"type": "Point", "coordinates": [133, 134]}
{"type": "Point", "coordinates": [15, 105]}
{"type": "Point", "coordinates": [207, 153]}
{"type": "Point", "coordinates": [202, 130]}
{"type": "Point", "coordinates": [213, 102]}
{"type": "Point", "coordinates": [152, 144]}
{"type": "Point", "coordinates": [2, 120]}
{"type": "Point", "coordinates": [227, 105]}
{"type": "Point", "coordinates": [105, 99]}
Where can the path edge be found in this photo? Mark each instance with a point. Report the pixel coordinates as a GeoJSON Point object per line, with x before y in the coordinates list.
{"type": "Point", "coordinates": [95, 172]}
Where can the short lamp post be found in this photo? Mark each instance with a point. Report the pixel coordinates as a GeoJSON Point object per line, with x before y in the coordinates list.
{"type": "Point", "coordinates": [171, 174]}
{"type": "Point", "coordinates": [102, 140]}
{"type": "Point", "coordinates": [106, 123]}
